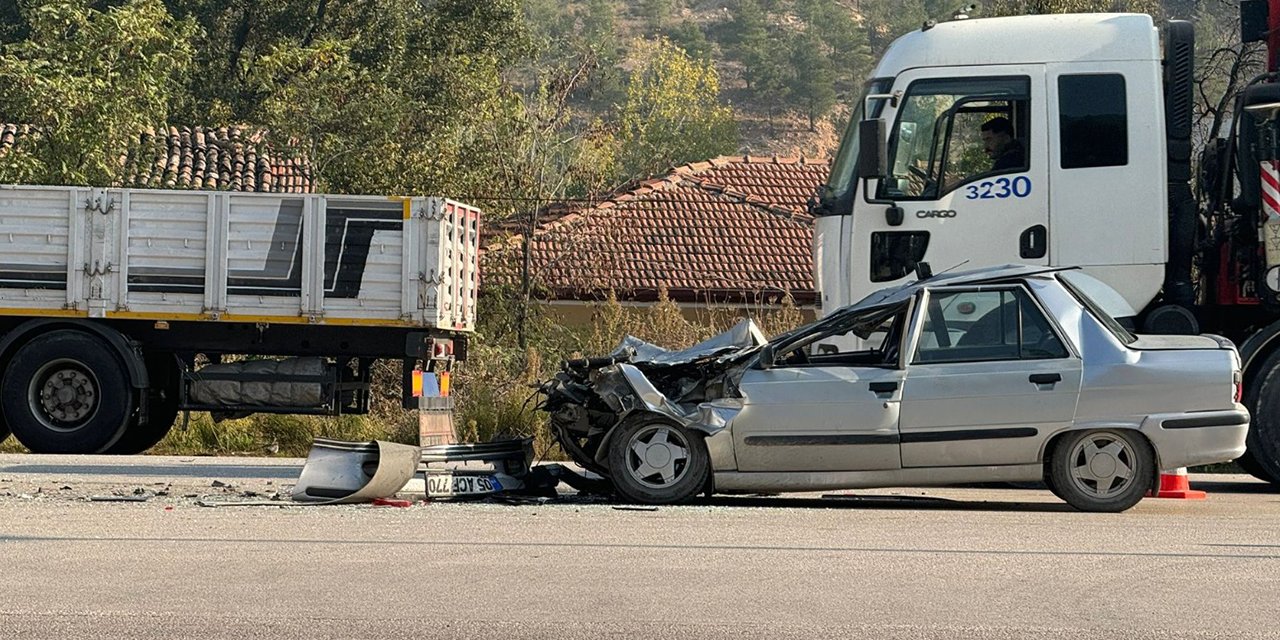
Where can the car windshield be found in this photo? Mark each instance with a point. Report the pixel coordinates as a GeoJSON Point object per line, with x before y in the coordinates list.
{"type": "Point", "coordinates": [1105, 303]}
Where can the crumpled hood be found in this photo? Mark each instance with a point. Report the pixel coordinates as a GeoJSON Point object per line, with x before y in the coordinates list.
{"type": "Point", "coordinates": [739, 340]}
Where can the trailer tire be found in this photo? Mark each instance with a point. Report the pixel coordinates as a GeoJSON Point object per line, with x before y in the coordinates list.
{"type": "Point", "coordinates": [162, 411]}
{"type": "Point", "coordinates": [66, 392]}
{"type": "Point", "coordinates": [1262, 445]}
{"type": "Point", "coordinates": [675, 469]}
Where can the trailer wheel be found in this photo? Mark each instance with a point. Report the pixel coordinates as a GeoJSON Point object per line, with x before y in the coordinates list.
{"type": "Point", "coordinates": [162, 410]}
{"type": "Point", "coordinates": [1262, 445]}
{"type": "Point", "coordinates": [655, 461]}
{"type": "Point", "coordinates": [66, 392]}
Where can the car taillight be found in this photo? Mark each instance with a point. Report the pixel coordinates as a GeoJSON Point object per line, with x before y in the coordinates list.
{"type": "Point", "coordinates": [1239, 386]}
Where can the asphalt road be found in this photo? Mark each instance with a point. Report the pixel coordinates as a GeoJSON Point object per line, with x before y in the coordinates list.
{"type": "Point", "coordinates": [970, 563]}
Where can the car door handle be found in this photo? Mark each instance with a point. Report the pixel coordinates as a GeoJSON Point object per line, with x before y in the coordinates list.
{"type": "Point", "coordinates": [1045, 378]}
{"type": "Point", "coordinates": [883, 387]}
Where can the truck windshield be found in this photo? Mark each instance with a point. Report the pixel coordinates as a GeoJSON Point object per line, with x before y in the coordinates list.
{"type": "Point", "coordinates": [837, 195]}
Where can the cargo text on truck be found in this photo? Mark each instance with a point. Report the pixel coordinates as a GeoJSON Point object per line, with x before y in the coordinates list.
{"type": "Point", "coordinates": [1104, 114]}
{"type": "Point", "coordinates": [118, 306]}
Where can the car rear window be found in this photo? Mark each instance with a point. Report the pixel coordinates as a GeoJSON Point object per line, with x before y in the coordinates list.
{"type": "Point", "coordinates": [1078, 283]}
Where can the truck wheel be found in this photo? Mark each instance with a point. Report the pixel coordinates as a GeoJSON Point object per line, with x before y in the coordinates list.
{"type": "Point", "coordinates": [655, 461]}
{"type": "Point", "coordinates": [1106, 470]}
{"type": "Point", "coordinates": [165, 376]}
{"type": "Point", "coordinates": [1262, 445]}
{"type": "Point", "coordinates": [66, 392]}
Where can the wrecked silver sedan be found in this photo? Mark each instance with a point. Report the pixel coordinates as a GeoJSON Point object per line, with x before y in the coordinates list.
{"type": "Point", "coordinates": [1002, 374]}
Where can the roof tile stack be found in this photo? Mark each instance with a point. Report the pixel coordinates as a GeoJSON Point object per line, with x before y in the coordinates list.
{"type": "Point", "coordinates": [225, 159]}
{"type": "Point", "coordinates": [222, 158]}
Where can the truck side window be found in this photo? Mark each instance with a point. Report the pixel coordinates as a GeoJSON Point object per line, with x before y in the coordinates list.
{"type": "Point", "coordinates": [950, 131]}
{"type": "Point", "coordinates": [1092, 121]}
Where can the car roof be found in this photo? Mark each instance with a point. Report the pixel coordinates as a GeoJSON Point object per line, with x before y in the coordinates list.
{"type": "Point", "coordinates": [894, 295]}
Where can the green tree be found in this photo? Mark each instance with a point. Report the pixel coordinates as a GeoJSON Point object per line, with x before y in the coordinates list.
{"type": "Point", "coordinates": [656, 13]}
{"type": "Point", "coordinates": [886, 21]}
{"type": "Point", "coordinates": [1022, 7]}
{"type": "Point", "coordinates": [406, 116]}
{"type": "Point", "coordinates": [673, 112]}
{"type": "Point", "coordinates": [850, 54]}
{"type": "Point", "coordinates": [89, 82]}
{"type": "Point", "coordinates": [689, 36]}
{"type": "Point", "coordinates": [812, 82]}
{"type": "Point", "coordinates": [748, 38]}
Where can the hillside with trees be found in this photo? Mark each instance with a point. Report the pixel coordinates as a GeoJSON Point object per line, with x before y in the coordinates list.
{"type": "Point", "coordinates": [505, 102]}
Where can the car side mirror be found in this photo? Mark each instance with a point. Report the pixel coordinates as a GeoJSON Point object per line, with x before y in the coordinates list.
{"type": "Point", "coordinates": [767, 355]}
{"type": "Point", "coordinates": [872, 158]}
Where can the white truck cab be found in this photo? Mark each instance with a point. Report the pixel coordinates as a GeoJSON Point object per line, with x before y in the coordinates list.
{"type": "Point", "coordinates": [1074, 107]}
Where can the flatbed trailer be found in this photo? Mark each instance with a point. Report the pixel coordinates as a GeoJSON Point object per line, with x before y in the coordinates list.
{"type": "Point", "coordinates": [119, 306]}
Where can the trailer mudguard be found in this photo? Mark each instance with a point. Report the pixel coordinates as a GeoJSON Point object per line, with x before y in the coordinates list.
{"type": "Point", "coordinates": [123, 347]}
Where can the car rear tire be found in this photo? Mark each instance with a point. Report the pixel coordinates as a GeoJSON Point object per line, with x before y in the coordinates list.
{"type": "Point", "coordinates": [4, 432]}
{"type": "Point", "coordinates": [655, 461]}
{"type": "Point", "coordinates": [66, 392]}
{"type": "Point", "coordinates": [162, 412]}
{"type": "Point", "coordinates": [1103, 471]}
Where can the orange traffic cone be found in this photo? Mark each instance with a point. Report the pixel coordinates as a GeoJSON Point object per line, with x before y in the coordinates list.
{"type": "Point", "coordinates": [1174, 484]}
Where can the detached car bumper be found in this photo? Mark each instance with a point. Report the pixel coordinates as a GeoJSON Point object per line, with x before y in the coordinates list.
{"type": "Point", "coordinates": [1203, 437]}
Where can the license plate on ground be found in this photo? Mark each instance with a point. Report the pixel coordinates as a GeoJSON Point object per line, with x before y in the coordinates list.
{"type": "Point", "coordinates": [450, 485]}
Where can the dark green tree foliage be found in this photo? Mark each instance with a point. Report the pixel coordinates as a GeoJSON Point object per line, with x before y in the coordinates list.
{"type": "Point", "coordinates": [846, 43]}
{"type": "Point", "coordinates": [690, 37]}
{"type": "Point", "coordinates": [88, 82]}
{"type": "Point", "coordinates": [886, 21]}
{"type": "Point", "coordinates": [1023, 7]}
{"type": "Point", "coordinates": [812, 84]}
{"type": "Point", "coordinates": [380, 95]}
{"type": "Point", "coordinates": [656, 13]}
{"type": "Point", "coordinates": [748, 38]}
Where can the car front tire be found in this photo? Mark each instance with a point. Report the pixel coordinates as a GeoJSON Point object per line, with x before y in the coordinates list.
{"type": "Point", "coordinates": [653, 460]}
{"type": "Point", "coordinates": [1102, 471]}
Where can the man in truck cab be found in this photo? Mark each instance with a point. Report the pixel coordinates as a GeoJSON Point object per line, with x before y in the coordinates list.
{"type": "Point", "coordinates": [1005, 151]}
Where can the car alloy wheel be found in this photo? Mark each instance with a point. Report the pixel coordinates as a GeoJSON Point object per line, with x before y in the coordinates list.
{"type": "Point", "coordinates": [657, 456]}
{"type": "Point", "coordinates": [1102, 465]}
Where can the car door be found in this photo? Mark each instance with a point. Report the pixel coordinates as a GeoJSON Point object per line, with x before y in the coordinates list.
{"type": "Point", "coordinates": [990, 378]}
{"type": "Point", "coordinates": [818, 408]}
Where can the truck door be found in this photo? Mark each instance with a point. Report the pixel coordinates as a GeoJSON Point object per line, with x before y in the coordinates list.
{"type": "Point", "coordinates": [968, 175]}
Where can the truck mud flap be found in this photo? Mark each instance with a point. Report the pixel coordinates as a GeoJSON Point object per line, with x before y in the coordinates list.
{"type": "Point", "coordinates": [338, 472]}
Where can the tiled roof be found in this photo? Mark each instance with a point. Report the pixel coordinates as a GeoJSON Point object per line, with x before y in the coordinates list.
{"type": "Point", "coordinates": [222, 158]}
{"type": "Point", "coordinates": [731, 229]}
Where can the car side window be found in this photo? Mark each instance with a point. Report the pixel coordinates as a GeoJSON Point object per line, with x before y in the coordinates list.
{"type": "Point", "coordinates": [866, 340]}
{"type": "Point", "coordinates": [988, 324]}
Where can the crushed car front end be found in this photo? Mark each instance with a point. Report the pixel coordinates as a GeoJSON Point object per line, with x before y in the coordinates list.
{"type": "Point", "coordinates": [694, 389]}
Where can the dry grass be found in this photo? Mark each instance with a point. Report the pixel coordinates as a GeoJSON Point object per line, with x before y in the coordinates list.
{"type": "Point", "coordinates": [494, 388]}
